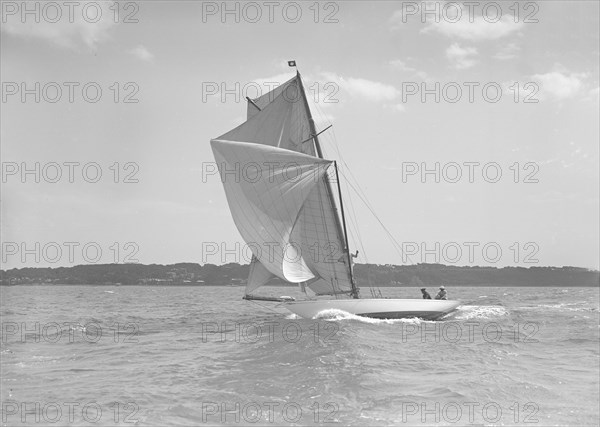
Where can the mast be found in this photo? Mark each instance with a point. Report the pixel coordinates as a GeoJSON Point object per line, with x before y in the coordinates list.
{"type": "Point", "coordinates": [340, 231]}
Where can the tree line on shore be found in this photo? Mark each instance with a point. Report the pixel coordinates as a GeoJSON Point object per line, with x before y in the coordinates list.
{"type": "Point", "coordinates": [366, 274]}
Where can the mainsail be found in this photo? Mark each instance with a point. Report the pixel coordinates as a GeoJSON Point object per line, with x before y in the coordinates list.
{"type": "Point", "coordinates": [299, 218]}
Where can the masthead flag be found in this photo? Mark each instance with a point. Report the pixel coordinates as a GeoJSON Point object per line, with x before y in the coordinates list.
{"type": "Point", "coordinates": [292, 63]}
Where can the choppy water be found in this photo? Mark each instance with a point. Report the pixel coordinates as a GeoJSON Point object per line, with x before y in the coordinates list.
{"type": "Point", "coordinates": [100, 355]}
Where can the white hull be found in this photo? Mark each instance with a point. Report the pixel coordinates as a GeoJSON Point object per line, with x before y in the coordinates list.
{"type": "Point", "coordinates": [376, 308]}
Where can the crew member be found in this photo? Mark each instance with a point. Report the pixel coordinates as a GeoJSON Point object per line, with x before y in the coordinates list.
{"type": "Point", "coordinates": [442, 293]}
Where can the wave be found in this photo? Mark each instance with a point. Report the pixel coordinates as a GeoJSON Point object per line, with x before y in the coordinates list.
{"type": "Point", "coordinates": [567, 307]}
{"type": "Point", "coordinates": [559, 307]}
{"type": "Point", "coordinates": [334, 314]}
{"type": "Point", "coordinates": [468, 312]}
{"type": "Point", "coordinates": [464, 312]}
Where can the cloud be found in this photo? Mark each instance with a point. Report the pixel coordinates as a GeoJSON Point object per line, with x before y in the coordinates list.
{"type": "Point", "coordinates": [462, 58]}
{"type": "Point", "coordinates": [142, 53]}
{"type": "Point", "coordinates": [508, 51]}
{"type": "Point", "coordinates": [273, 81]}
{"type": "Point", "coordinates": [81, 33]}
{"type": "Point", "coordinates": [560, 85]}
{"type": "Point", "coordinates": [400, 108]}
{"type": "Point", "coordinates": [363, 88]}
{"type": "Point", "coordinates": [367, 90]}
{"type": "Point", "coordinates": [479, 29]}
{"type": "Point", "coordinates": [401, 65]}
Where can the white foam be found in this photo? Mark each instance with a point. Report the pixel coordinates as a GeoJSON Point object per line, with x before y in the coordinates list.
{"type": "Point", "coordinates": [467, 312]}
{"type": "Point", "coordinates": [337, 315]}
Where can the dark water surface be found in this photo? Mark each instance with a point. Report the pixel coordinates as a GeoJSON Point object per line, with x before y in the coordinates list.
{"type": "Point", "coordinates": [104, 355]}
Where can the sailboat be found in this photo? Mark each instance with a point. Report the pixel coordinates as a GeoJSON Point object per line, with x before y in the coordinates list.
{"type": "Point", "coordinates": [281, 196]}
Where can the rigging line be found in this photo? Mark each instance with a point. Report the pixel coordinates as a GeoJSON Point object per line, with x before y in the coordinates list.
{"type": "Point", "coordinates": [364, 199]}
{"type": "Point", "coordinates": [360, 241]}
{"type": "Point", "coordinates": [354, 222]}
{"type": "Point", "coordinates": [391, 237]}
{"type": "Point", "coordinates": [328, 137]}
{"type": "Point", "coordinates": [354, 231]}
{"type": "Point", "coordinates": [353, 218]}
{"type": "Point", "coordinates": [396, 244]}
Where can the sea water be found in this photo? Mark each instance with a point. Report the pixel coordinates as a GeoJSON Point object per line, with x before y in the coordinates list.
{"type": "Point", "coordinates": [133, 355]}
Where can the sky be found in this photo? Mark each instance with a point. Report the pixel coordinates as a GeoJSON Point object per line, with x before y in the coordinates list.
{"type": "Point", "coordinates": [472, 132]}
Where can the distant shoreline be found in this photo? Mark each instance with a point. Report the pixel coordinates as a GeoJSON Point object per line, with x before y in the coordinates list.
{"type": "Point", "coordinates": [187, 285]}
{"type": "Point", "coordinates": [235, 275]}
